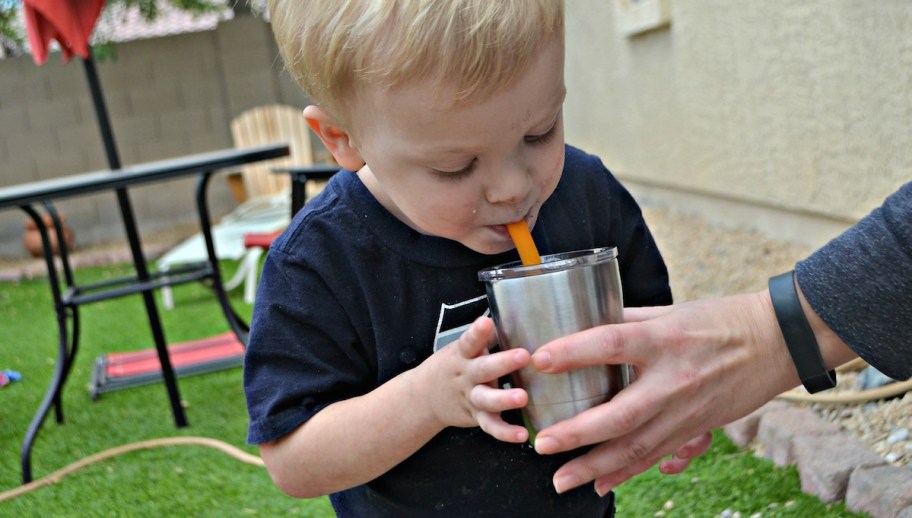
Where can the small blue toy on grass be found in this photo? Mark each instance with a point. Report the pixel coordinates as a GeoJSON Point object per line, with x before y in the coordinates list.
{"type": "Point", "coordinates": [7, 377]}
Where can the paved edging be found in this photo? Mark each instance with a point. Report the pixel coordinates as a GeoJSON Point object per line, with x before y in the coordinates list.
{"type": "Point", "coordinates": [831, 465]}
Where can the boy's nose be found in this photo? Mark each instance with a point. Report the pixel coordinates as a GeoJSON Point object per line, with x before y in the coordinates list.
{"type": "Point", "coordinates": [509, 184]}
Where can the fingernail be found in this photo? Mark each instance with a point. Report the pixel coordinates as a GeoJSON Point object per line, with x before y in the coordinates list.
{"type": "Point", "coordinates": [546, 445]}
{"type": "Point", "coordinates": [542, 360]}
{"type": "Point", "coordinates": [603, 489]}
{"type": "Point", "coordinates": [565, 482]}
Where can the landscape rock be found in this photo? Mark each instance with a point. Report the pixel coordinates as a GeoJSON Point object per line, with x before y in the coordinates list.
{"type": "Point", "coordinates": [825, 464]}
{"type": "Point", "coordinates": [882, 492]}
{"type": "Point", "coordinates": [779, 428]}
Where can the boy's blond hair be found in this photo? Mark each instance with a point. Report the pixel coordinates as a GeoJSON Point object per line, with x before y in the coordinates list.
{"type": "Point", "coordinates": [333, 48]}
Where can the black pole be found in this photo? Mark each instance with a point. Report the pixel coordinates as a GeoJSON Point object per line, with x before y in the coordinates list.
{"type": "Point", "coordinates": [101, 112]}
{"type": "Point", "coordinates": [139, 261]}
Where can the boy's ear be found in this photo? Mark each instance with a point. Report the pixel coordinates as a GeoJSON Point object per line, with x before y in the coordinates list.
{"type": "Point", "coordinates": [336, 140]}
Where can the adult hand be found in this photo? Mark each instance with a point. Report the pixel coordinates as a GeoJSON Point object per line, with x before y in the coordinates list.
{"type": "Point", "coordinates": [699, 365]}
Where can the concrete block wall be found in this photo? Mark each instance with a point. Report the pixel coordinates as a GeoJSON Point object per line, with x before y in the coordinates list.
{"type": "Point", "coordinates": [166, 97]}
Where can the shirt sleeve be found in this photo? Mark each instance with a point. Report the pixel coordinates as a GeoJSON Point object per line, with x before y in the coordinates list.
{"type": "Point", "coordinates": [860, 284]}
{"type": "Point", "coordinates": [303, 353]}
{"type": "Point", "coordinates": [643, 271]}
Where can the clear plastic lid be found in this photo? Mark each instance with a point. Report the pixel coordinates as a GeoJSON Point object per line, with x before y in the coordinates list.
{"type": "Point", "coordinates": [550, 263]}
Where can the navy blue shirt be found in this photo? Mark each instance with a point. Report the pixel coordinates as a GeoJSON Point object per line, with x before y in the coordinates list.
{"type": "Point", "coordinates": [350, 297]}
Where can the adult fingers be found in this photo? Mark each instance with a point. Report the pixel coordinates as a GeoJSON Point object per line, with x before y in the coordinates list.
{"type": "Point", "coordinates": [680, 459]}
{"type": "Point", "coordinates": [606, 481]}
{"type": "Point", "coordinates": [609, 344]}
{"type": "Point", "coordinates": [615, 461]}
{"type": "Point", "coordinates": [674, 466]}
{"type": "Point", "coordinates": [630, 409]}
{"type": "Point", "coordinates": [646, 313]}
{"type": "Point", "coordinates": [586, 468]}
{"type": "Point", "coordinates": [695, 447]}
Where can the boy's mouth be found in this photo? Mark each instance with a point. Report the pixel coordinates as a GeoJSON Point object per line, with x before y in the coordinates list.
{"type": "Point", "coordinates": [501, 229]}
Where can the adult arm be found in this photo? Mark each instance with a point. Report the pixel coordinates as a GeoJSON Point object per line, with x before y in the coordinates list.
{"type": "Point", "coordinates": [861, 285]}
{"type": "Point", "coordinates": [703, 364]}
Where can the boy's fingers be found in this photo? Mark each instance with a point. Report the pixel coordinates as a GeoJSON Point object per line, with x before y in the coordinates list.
{"type": "Point", "coordinates": [477, 338]}
{"type": "Point", "coordinates": [490, 399]}
{"type": "Point", "coordinates": [496, 427]}
{"type": "Point", "coordinates": [493, 366]}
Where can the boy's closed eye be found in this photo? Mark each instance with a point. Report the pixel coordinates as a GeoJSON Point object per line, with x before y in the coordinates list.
{"type": "Point", "coordinates": [456, 174]}
{"type": "Point", "coordinates": [542, 138]}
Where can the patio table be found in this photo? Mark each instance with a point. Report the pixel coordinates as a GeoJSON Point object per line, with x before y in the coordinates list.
{"type": "Point", "coordinates": [300, 175]}
{"type": "Point", "coordinates": [68, 296]}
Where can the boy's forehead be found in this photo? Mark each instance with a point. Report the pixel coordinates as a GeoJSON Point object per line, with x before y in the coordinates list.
{"type": "Point", "coordinates": [425, 114]}
{"type": "Point", "coordinates": [431, 97]}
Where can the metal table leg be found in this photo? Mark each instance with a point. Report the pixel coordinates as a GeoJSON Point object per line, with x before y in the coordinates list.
{"type": "Point", "coordinates": [65, 347]}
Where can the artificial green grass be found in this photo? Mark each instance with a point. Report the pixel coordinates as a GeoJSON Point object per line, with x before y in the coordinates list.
{"type": "Point", "coordinates": [171, 481]}
{"type": "Point", "coordinates": [199, 481]}
{"type": "Point", "coordinates": [728, 478]}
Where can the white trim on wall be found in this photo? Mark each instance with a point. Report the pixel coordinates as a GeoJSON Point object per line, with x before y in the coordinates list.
{"type": "Point", "coordinates": [638, 16]}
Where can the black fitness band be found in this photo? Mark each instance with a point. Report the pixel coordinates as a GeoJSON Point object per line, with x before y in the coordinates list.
{"type": "Point", "coordinates": [798, 335]}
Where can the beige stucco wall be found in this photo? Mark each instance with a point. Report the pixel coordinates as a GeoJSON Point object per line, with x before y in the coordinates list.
{"type": "Point", "coordinates": [791, 117]}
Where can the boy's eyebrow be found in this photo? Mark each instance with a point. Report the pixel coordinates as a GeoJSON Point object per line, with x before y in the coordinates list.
{"type": "Point", "coordinates": [560, 98]}
{"type": "Point", "coordinates": [558, 104]}
{"type": "Point", "coordinates": [446, 149]}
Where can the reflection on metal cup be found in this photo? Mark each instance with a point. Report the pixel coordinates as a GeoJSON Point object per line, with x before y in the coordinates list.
{"type": "Point", "coordinates": [532, 305]}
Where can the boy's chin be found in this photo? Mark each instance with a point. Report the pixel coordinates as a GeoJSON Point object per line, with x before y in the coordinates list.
{"type": "Point", "coordinates": [487, 248]}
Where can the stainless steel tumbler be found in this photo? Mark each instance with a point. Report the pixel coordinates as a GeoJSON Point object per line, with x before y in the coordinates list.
{"type": "Point", "coordinates": [532, 305]}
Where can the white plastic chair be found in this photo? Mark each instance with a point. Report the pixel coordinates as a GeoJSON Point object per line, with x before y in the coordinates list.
{"type": "Point", "coordinates": [267, 203]}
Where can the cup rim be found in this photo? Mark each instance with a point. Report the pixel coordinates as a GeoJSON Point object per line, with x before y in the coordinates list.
{"type": "Point", "coordinates": [550, 263]}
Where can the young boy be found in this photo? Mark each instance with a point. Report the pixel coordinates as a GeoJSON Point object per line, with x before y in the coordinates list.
{"type": "Point", "coordinates": [446, 116]}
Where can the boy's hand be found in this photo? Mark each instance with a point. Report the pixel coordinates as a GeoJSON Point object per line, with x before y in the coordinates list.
{"type": "Point", "coordinates": [463, 385]}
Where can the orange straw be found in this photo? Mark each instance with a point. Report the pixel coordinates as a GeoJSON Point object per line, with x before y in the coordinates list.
{"type": "Point", "coordinates": [522, 238]}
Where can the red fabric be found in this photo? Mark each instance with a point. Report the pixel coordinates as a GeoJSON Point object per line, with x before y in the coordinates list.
{"type": "Point", "coordinates": [260, 239]}
{"type": "Point", "coordinates": [185, 353]}
{"type": "Point", "coordinates": [70, 22]}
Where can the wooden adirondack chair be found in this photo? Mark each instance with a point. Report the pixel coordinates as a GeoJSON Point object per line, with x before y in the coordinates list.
{"type": "Point", "coordinates": [264, 125]}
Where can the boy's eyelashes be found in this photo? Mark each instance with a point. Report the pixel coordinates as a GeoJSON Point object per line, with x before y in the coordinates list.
{"type": "Point", "coordinates": [459, 173]}
{"type": "Point", "coordinates": [542, 138]}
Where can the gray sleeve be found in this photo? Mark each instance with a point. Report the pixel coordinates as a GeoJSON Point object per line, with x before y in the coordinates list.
{"type": "Point", "coordinates": [860, 284]}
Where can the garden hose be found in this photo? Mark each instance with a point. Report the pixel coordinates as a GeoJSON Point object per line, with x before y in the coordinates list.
{"type": "Point", "coordinates": [886, 391]}
{"type": "Point", "coordinates": [55, 477]}
{"type": "Point", "coordinates": [893, 389]}
{"type": "Point", "coordinates": [840, 398]}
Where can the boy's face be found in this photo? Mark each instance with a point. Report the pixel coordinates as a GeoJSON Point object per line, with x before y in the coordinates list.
{"type": "Point", "coordinates": [462, 172]}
